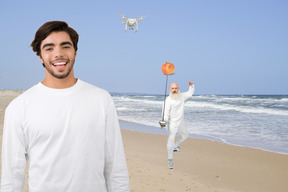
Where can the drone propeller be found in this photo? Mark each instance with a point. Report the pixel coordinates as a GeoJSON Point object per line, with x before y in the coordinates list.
{"type": "Point", "coordinates": [122, 15]}
{"type": "Point", "coordinates": [141, 17]}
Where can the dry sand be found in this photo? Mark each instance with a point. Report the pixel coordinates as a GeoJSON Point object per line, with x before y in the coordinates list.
{"type": "Point", "coordinates": [203, 166]}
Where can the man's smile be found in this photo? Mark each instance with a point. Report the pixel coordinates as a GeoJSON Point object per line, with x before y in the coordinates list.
{"type": "Point", "coordinates": [60, 65]}
{"type": "Point", "coordinates": [60, 62]}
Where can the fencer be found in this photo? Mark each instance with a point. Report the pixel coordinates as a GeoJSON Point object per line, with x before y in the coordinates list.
{"type": "Point", "coordinates": [174, 118]}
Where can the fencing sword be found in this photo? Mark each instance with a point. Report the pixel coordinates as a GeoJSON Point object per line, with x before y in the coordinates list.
{"type": "Point", "coordinates": [167, 69]}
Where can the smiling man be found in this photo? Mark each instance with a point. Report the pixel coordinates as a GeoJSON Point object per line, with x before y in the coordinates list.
{"type": "Point", "coordinates": [66, 127]}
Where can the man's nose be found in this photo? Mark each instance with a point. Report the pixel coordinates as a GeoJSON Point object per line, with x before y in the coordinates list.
{"type": "Point", "coordinates": [58, 52]}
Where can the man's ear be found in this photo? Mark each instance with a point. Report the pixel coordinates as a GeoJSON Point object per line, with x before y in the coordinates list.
{"type": "Point", "coordinates": [41, 59]}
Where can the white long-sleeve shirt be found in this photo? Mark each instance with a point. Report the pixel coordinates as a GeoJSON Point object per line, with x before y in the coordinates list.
{"type": "Point", "coordinates": [174, 109]}
{"type": "Point", "coordinates": [71, 137]}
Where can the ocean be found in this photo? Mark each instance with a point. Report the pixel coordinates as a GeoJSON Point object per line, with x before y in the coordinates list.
{"type": "Point", "coordinates": [255, 121]}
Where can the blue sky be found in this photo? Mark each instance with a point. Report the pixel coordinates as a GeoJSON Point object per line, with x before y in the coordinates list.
{"type": "Point", "coordinates": [224, 46]}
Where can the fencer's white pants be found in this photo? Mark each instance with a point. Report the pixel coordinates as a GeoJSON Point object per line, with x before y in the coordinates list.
{"type": "Point", "coordinates": [172, 130]}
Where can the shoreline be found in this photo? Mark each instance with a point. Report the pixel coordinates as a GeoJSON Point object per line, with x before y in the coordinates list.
{"type": "Point", "coordinates": [138, 127]}
{"type": "Point", "coordinates": [142, 127]}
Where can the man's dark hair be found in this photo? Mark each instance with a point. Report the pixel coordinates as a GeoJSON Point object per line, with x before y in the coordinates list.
{"type": "Point", "coordinates": [53, 26]}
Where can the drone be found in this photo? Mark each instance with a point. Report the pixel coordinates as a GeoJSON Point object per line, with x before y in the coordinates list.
{"type": "Point", "coordinates": [131, 22]}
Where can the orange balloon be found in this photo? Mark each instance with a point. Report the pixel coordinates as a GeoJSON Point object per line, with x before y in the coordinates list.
{"type": "Point", "coordinates": [168, 68]}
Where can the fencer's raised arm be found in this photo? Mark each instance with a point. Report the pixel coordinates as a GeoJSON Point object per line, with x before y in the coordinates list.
{"type": "Point", "coordinates": [190, 92]}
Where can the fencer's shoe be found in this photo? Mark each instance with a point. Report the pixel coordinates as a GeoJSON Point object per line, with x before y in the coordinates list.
{"type": "Point", "coordinates": [170, 164]}
{"type": "Point", "coordinates": [176, 149]}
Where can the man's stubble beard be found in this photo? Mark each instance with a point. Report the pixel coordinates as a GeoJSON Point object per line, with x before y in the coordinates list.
{"type": "Point", "coordinates": [61, 76]}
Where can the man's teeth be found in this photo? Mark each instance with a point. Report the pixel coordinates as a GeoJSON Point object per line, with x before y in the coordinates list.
{"type": "Point", "coordinates": [62, 63]}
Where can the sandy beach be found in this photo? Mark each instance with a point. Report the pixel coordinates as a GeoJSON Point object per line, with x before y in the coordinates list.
{"type": "Point", "coordinates": [203, 165]}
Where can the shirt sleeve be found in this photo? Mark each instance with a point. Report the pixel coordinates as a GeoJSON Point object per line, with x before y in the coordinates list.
{"type": "Point", "coordinates": [13, 151]}
{"type": "Point", "coordinates": [115, 171]}
{"type": "Point", "coordinates": [189, 93]}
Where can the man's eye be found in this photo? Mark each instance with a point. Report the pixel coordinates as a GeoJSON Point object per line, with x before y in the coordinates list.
{"type": "Point", "coordinates": [48, 49]}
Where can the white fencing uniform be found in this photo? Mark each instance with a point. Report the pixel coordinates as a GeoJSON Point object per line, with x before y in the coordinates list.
{"type": "Point", "coordinates": [174, 117]}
